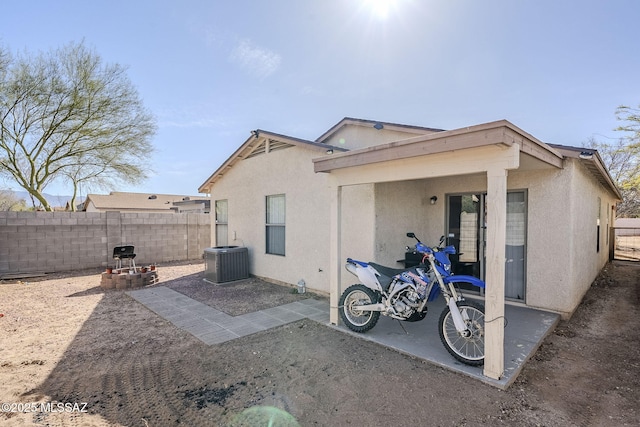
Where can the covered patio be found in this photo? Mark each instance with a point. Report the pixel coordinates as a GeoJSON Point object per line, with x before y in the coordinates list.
{"type": "Point", "coordinates": [526, 329]}
{"type": "Point", "coordinates": [491, 149]}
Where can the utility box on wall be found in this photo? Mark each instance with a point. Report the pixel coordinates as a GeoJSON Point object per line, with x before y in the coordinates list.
{"type": "Point", "coordinates": [226, 264]}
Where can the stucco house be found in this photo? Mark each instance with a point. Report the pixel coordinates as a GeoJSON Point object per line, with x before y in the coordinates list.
{"type": "Point", "coordinates": [530, 218]}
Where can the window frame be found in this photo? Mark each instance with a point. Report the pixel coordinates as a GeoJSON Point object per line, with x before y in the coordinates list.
{"type": "Point", "coordinates": [221, 223]}
{"type": "Point", "coordinates": [272, 224]}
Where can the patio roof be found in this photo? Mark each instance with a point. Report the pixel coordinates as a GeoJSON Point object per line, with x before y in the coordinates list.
{"type": "Point", "coordinates": [492, 149]}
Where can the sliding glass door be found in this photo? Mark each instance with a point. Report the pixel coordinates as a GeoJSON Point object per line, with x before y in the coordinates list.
{"type": "Point", "coordinates": [466, 230]}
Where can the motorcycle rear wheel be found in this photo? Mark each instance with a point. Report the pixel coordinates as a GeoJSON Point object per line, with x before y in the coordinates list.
{"type": "Point", "coordinates": [467, 349]}
{"type": "Point", "coordinates": [354, 319]}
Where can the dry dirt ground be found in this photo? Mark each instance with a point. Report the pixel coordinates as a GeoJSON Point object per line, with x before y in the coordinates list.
{"type": "Point", "coordinates": [109, 361]}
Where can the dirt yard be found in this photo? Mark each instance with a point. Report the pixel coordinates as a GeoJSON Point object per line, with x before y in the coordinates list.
{"type": "Point", "coordinates": [95, 358]}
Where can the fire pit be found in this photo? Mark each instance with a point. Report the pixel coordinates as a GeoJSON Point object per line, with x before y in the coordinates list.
{"type": "Point", "coordinates": [124, 278]}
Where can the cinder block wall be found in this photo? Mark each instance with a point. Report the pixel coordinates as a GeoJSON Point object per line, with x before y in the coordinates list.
{"type": "Point", "coordinates": [63, 241]}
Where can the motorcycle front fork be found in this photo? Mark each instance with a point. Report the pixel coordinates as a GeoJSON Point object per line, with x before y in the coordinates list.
{"type": "Point", "coordinates": [458, 320]}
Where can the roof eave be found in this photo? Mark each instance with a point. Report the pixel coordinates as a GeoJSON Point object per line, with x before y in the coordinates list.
{"type": "Point", "coordinates": [592, 161]}
{"type": "Point", "coordinates": [498, 132]}
{"type": "Point", "coordinates": [256, 136]}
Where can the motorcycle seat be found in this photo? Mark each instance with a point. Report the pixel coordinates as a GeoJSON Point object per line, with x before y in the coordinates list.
{"type": "Point", "coordinates": [388, 271]}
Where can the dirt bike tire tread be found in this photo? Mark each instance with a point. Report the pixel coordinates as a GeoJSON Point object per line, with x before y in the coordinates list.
{"type": "Point", "coordinates": [469, 362]}
{"type": "Point", "coordinates": [375, 314]}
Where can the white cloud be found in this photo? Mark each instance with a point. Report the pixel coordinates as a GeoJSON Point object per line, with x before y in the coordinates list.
{"type": "Point", "coordinates": [255, 60]}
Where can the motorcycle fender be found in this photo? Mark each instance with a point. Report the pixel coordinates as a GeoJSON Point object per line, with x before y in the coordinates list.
{"type": "Point", "coordinates": [368, 277]}
{"type": "Point", "coordinates": [464, 279]}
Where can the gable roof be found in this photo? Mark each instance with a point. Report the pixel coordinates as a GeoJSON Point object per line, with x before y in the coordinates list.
{"type": "Point", "coordinates": [417, 130]}
{"type": "Point", "coordinates": [124, 201]}
{"type": "Point", "coordinates": [426, 140]}
{"type": "Point", "coordinates": [259, 142]}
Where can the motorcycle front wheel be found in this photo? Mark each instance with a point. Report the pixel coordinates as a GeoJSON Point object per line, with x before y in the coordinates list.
{"type": "Point", "coordinates": [467, 347]}
{"type": "Point", "coordinates": [354, 319]}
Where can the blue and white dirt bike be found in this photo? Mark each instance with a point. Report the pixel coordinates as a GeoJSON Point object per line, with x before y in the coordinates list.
{"type": "Point", "coordinates": [403, 294]}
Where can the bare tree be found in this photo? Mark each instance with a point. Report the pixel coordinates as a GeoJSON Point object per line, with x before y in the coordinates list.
{"type": "Point", "coordinates": [622, 159]}
{"type": "Point", "coordinates": [67, 116]}
{"type": "Point", "coordinates": [9, 201]}
{"type": "Point", "coordinates": [631, 118]}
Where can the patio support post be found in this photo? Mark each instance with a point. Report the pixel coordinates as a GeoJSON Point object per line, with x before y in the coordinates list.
{"type": "Point", "coordinates": [335, 244]}
{"type": "Point", "coordinates": [495, 270]}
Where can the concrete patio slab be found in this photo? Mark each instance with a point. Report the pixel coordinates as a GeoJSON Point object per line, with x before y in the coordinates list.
{"type": "Point", "coordinates": [524, 332]}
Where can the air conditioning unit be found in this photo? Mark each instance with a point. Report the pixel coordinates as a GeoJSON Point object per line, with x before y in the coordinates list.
{"type": "Point", "coordinates": [226, 264]}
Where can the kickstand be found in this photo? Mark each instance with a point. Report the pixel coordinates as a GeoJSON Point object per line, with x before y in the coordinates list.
{"type": "Point", "coordinates": [400, 323]}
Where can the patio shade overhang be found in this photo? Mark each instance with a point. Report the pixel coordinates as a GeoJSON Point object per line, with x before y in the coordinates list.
{"type": "Point", "coordinates": [493, 149]}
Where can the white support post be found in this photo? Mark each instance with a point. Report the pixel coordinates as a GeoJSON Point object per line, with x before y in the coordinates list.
{"type": "Point", "coordinates": [495, 271]}
{"type": "Point", "coordinates": [335, 258]}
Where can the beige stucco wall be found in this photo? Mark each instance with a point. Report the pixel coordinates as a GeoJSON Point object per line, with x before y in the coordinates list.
{"type": "Point", "coordinates": [561, 221]}
{"type": "Point", "coordinates": [307, 197]}
{"type": "Point", "coordinates": [548, 236]}
{"type": "Point", "coordinates": [288, 171]}
{"type": "Point", "coordinates": [594, 202]}
{"type": "Point", "coordinates": [405, 206]}
{"type": "Point", "coordinates": [562, 260]}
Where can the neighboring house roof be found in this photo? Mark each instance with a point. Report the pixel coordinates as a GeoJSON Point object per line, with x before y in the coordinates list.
{"type": "Point", "coordinates": [145, 202]}
{"type": "Point", "coordinates": [259, 142]}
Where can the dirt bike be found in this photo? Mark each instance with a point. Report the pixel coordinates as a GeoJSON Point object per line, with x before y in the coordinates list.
{"type": "Point", "coordinates": [403, 294]}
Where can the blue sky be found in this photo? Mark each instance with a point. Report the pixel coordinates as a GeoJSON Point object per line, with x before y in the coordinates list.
{"type": "Point", "coordinates": [212, 71]}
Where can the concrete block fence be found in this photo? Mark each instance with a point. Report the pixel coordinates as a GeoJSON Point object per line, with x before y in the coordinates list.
{"type": "Point", "coordinates": [63, 241]}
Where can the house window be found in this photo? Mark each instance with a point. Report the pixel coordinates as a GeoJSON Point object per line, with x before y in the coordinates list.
{"type": "Point", "coordinates": [222, 227]}
{"type": "Point", "coordinates": [275, 224]}
{"type": "Point", "coordinates": [598, 225]}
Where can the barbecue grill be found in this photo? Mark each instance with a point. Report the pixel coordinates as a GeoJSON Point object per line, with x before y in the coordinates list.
{"type": "Point", "coordinates": [124, 252]}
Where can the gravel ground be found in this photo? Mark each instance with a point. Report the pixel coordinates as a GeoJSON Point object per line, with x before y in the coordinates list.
{"type": "Point", "coordinates": [115, 363]}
